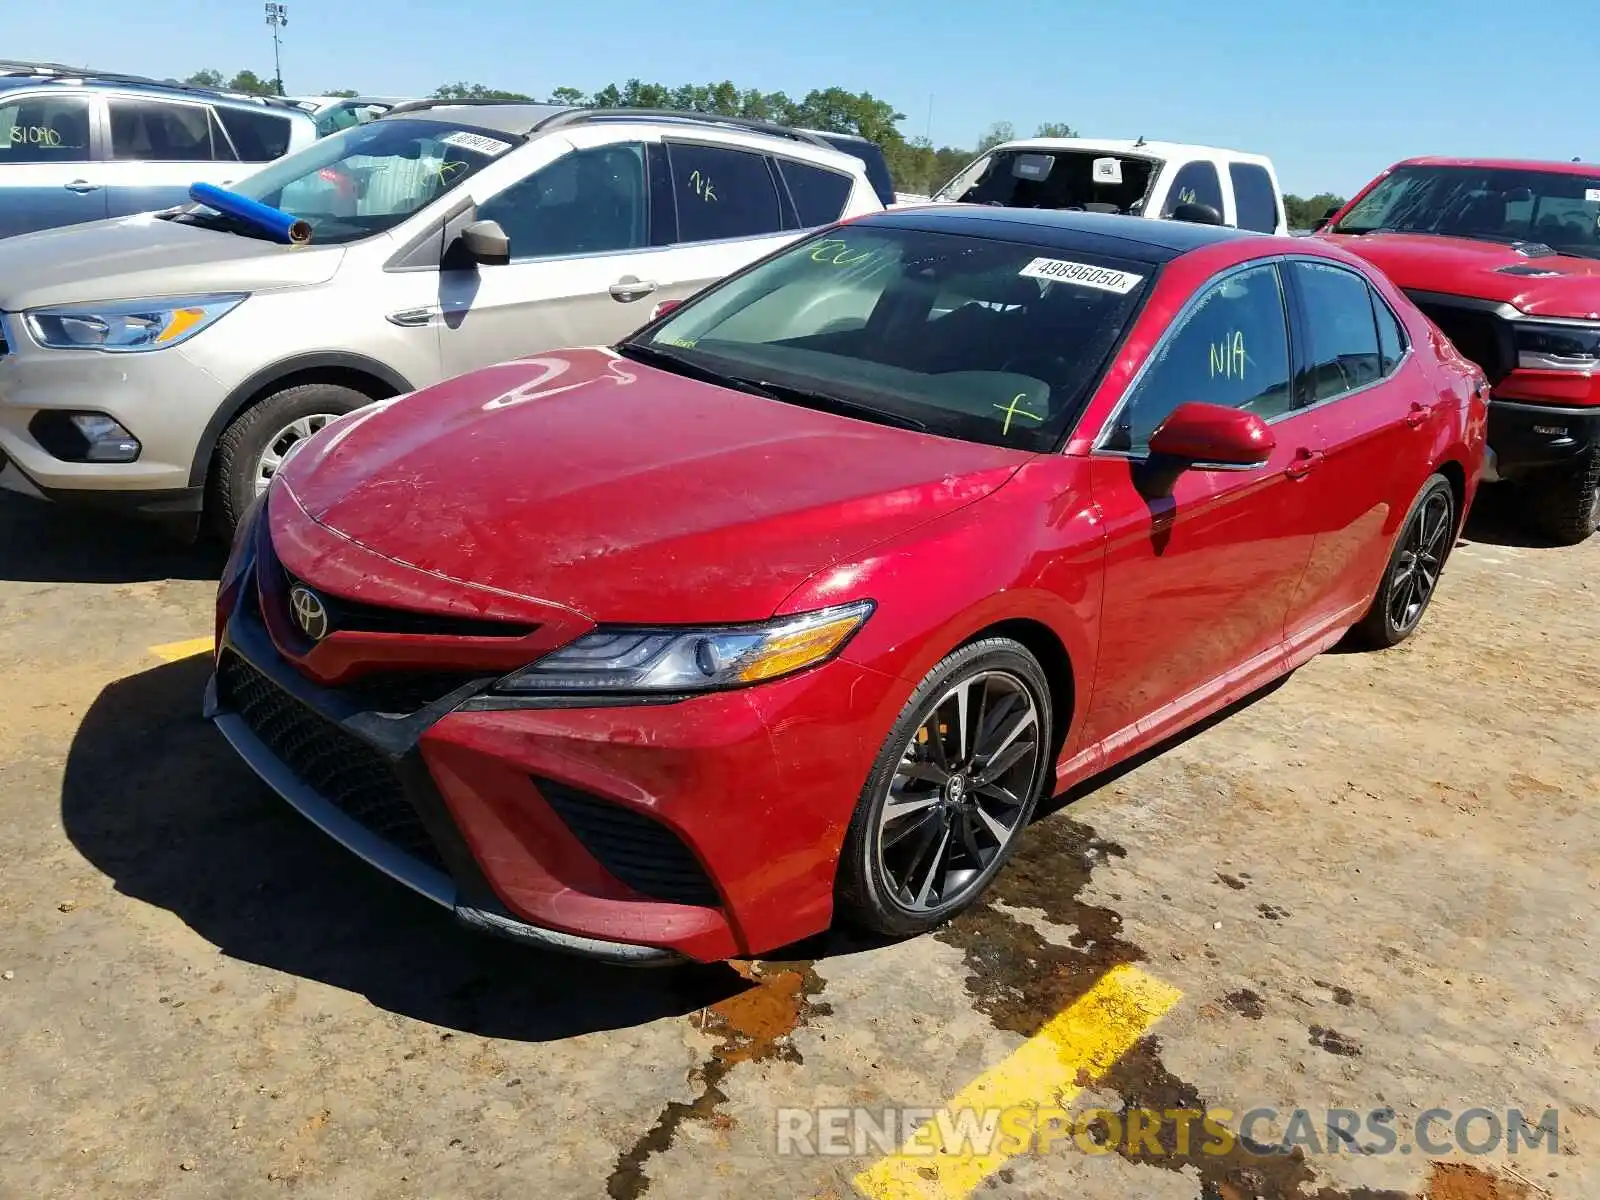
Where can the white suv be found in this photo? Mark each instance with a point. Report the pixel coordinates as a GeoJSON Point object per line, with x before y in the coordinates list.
{"type": "Point", "coordinates": [167, 363]}
{"type": "Point", "coordinates": [1116, 175]}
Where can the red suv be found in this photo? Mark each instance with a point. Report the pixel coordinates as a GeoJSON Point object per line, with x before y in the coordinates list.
{"type": "Point", "coordinates": [799, 600]}
{"type": "Point", "coordinates": [1505, 257]}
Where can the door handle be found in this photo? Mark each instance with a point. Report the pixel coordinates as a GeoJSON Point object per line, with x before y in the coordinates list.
{"type": "Point", "coordinates": [629, 288]}
{"type": "Point", "coordinates": [81, 186]}
{"type": "Point", "coordinates": [1417, 416]}
{"type": "Point", "coordinates": [1305, 461]}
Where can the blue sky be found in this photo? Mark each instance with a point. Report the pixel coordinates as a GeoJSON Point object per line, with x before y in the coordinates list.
{"type": "Point", "coordinates": [1333, 92]}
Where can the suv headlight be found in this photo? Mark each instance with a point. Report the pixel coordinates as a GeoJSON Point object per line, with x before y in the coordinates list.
{"type": "Point", "coordinates": [127, 325]}
{"type": "Point", "coordinates": [1558, 346]}
{"type": "Point", "coordinates": [694, 659]}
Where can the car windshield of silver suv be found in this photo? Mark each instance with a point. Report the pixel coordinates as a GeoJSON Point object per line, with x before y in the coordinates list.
{"type": "Point", "coordinates": [1536, 209]}
{"type": "Point", "coordinates": [364, 180]}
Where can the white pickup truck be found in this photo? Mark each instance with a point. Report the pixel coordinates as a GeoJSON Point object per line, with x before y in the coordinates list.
{"type": "Point", "coordinates": [1137, 178]}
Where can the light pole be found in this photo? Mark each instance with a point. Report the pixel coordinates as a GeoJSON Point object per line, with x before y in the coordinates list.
{"type": "Point", "coordinates": [277, 17]}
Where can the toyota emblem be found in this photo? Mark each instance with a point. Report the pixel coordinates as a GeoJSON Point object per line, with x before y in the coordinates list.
{"type": "Point", "coordinates": [310, 613]}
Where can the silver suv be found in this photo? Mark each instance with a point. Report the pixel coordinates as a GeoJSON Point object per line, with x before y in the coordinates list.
{"type": "Point", "coordinates": [79, 145]}
{"type": "Point", "coordinates": [165, 364]}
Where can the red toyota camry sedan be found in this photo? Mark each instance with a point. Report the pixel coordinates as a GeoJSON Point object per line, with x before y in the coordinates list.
{"type": "Point", "coordinates": [793, 605]}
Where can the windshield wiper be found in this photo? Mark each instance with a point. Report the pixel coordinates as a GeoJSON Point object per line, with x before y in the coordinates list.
{"type": "Point", "coordinates": [666, 360]}
{"type": "Point", "coordinates": [221, 222]}
{"type": "Point", "coordinates": [828, 402]}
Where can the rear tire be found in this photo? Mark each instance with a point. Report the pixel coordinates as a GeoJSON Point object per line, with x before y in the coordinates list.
{"type": "Point", "coordinates": [1412, 576]}
{"type": "Point", "coordinates": [254, 446]}
{"type": "Point", "coordinates": [943, 810]}
{"type": "Point", "coordinates": [1564, 504]}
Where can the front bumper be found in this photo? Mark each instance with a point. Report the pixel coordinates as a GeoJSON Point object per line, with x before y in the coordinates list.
{"type": "Point", "coordinates": [163, 398]}
{"type": "Point", "coordinates": [1529, 437]}
{"type": "Point", "coordinates": [701, 829]}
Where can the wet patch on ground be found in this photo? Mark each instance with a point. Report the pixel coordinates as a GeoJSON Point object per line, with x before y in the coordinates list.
{"type": "Point", "coordinates": [1232, 881]}
{"type": "Point", "coordinates": [1017, 978]}
{"type": "Point", "coordinates": [753, 1025]}
{"type": "Point", "coordinates": [1271, 912]}
{"type": "Point", "coordinates": [1341, 995]}
{"type": "Point", "coordinates": [1246, 1003]}
{"type": "Point", "coordinates": [1334, 1042]}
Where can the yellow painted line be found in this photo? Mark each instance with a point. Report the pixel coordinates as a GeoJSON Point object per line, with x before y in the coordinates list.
{"type": "Point", "coordinates": [1075, 1048]}
{"type": "Point", "coordinates": [176, 651]}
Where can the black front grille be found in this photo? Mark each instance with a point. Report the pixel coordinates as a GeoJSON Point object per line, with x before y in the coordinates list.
{"type": "Point", "coordinates": [1482, 336]}
{"type": "Point", "coordinates": [337, 765]}
{"type": "Point", "coordinates": [354, 616]}
{"type": "Point", "coordinates": [400, 693]}
{"type": "Point", "coordinates": [642, 853]}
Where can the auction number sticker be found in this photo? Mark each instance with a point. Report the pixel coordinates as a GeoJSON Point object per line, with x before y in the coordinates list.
{"type": "Point", "coordinates": [476, 142]}
{"type": "Point", "coordinates": [1059, 270]}
{"type": "Point", "coordinates": [1592, 195]}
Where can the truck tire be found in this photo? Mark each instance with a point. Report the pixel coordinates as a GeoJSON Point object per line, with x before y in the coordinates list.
{"type": "Point", "coordinates": [1565, 504]}
{"type": "Point", "coordinates": [259, 438]}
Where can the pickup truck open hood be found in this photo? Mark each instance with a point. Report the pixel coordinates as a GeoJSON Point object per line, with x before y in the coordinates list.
{"type": "Point", "coordinates": [1557, 285]}
{"type": "Point", "coordinates": [133, 258]}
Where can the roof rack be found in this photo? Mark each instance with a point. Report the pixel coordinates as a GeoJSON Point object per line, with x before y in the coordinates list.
{"type": "Point", "coordinates": [43, 70]}
{"type": "Point", "coordinates": [441, 102]}
{"type": "Point", "coordinates": [578, 116]}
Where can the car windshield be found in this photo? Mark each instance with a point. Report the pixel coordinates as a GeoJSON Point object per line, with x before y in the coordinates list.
{"type": "Point", "coordinates": [1024, 178]}
{"type": "Point", "coordinates": [1494, 204]}
{"type": "Point", "coordinates": [368, 179]}
{"type": "Point", "coordinates": [960, 336]}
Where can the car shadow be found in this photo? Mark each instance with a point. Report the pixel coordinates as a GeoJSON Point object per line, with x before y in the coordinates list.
{"type": "Point", "coordinates": [43, 543]}
{"type": "Point", "coordinates": [154, 797]}
{"type": "Point", "coordinates": [1493, 521]}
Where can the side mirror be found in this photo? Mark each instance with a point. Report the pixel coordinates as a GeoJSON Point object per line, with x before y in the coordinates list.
{"type": "Point", "coordinates": [486, 243]}
{"type": "Point", "coordinates": [1197, 214]}
{"type": "Point", "coordinates": [663, 308]}
{"type": "Point", "coordinates": [1322, 221]}
{"type": "Point", "coordinates": [1212, 437]}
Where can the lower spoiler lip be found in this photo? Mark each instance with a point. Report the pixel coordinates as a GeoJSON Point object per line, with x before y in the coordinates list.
{"type": "Point", "coordinates": [421, 878]}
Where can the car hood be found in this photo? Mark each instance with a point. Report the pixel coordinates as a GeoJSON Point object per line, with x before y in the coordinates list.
{"type": "Point", "coordinates": [130, 258]}
{"type": "Point", "coordinates": [627, 493]}
{"type": "Point", "coordinates": [1557, 285]}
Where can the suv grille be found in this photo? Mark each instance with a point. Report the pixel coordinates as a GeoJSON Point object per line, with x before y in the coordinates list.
{"type": "Point", "coordinates": [1482, 336]}
{"type": "Point", "coordinates": [642, 853]}
{"type": "Point", "coordinates": [337, 765]}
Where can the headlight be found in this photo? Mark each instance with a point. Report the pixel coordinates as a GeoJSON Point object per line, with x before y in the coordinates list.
{"type": "Point", "coordinates": [127, 325]}
{"type": "Point", "coordinates": [1553, 346]}
{"type": "Point", "coordinates": [694, 659]}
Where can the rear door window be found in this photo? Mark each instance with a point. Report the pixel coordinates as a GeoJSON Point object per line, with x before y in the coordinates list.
{"type": "Point", "coordinates": [1342, 352]}
{"type": "Point", "coordinates": [44, 129]}
{"type": "Point", "coordinates": [161, 131]}
{"type": "Point", "coordinates": [1391, 334]}
{"type": "Point", "coordinates": [258, 136]}
{"type": "Point", "coordinates": [819, 194]}
{"type": "Point", "coordinates": [722, 193]}
{"type": "Point", "coordinates": [1195, 183]}
{"type": "Point", "coordinates": [1255, 197]}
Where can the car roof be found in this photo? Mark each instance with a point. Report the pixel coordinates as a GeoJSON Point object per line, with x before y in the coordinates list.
{"type": "Point", "coordinates": [500, 117]}
{"type": "Point", "coordinates": [1504, 164]}
{"type": "Point", "coordinates": [130, 85]}
{"type": "Point", "coordinates": [1056, 229]}
{"type": "Point", "coordinates": [1136, 147]}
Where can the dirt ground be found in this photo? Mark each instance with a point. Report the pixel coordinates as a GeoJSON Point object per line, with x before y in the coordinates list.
{"type": "Point", "coordinates": [1375, 887]}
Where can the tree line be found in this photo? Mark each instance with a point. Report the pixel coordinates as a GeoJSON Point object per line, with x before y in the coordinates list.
{"type": "Point", "coordinates": [918, 166]}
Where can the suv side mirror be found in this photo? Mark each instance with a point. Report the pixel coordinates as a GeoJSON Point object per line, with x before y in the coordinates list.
{"type": "Point", "coordinates": [1322, 221]}
{"type": "Point", "coordinates": [486, 243]}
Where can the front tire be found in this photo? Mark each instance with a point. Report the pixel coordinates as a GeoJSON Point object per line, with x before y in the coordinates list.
{"type": "Point", "coordinates": [1414, 566]}
{"type": "Point", "coordinates": [253, 448]}
{"type": "Point", "coordinates": [1565, 503]}
{"type": "Point", "coordinates": [951, 791]}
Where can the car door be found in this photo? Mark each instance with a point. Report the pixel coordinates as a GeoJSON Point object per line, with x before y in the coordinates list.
{"type": "Point", "coordinates": [731, 210]}
{"type": "Point", "coordinates": [584, 264]}
{"type": "Point", "coordinates": [1373, 421]}
{"type": "Point", "coordinates": [1198, 581]}
{"type": "Point", "coordinates": [47, 161]}
{"type": "Point", "coordinates": [158, 148]}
